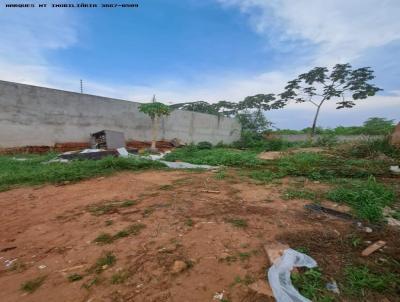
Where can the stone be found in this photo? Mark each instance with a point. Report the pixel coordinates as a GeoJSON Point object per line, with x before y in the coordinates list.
{"type": "Point", "coordinates": [393, 222]}
{"type": "Point", "coordinates": [179, 266]}
{"type": "Point", "coordinates": [395, 137]}
{"type": "Point", "coordinates": [261, 287]}
{"type": "Point", "coordinates": [274, 251]}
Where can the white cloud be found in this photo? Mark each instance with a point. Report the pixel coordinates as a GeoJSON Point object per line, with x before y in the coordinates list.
{"type": "Point", "coordinates": [26, 37]}
{"type": "Point", "coordinates": [343, 29]}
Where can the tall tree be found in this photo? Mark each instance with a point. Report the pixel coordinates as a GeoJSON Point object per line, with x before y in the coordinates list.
{"type": "Point", "coordinates": [320, 85]}
{"type": "Point", "coordinates": [154, 110]}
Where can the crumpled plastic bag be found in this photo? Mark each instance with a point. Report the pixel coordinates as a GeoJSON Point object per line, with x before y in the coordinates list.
{"type": "Point", "coordinates": [279, 275]}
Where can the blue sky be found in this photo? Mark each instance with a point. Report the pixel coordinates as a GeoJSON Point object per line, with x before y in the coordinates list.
{"type": "Point", "coordinates": [186, 50]}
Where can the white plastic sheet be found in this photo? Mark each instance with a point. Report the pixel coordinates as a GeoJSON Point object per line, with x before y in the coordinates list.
{"type": "Point", "coordinates": [279, 275]}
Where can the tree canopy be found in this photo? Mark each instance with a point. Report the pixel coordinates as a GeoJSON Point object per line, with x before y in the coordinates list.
{"type": "Point", "coordinates": [155, 109]}
{"type": "Point", "coordinates": [319, 85]}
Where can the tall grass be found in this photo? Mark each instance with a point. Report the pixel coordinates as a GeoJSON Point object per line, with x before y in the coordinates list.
{"type": "Point", "coordinates": [35, 170]}
{"type": "Point", "coordinates": [367, 198]}
{"type": "Point", "coordinates": [215, 157]}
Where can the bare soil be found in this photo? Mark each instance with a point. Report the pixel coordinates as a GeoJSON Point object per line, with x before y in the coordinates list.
{"type": "Point", "coordinates": [188, 217]}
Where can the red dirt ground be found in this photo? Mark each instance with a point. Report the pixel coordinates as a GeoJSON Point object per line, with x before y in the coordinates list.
{"type": "Point", "coordinates": [50, 231]}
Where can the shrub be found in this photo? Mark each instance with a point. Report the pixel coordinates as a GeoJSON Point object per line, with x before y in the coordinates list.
{"type": "Point", "coordinates": [204, 145]}
{"type": "Point", "coordinates": [326, 140]}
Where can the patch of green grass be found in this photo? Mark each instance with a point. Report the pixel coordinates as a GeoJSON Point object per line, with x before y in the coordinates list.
{"type": "Point", "coordinates": [246, 280]}
{"type": "Point", "coordinates": [238, 222]}
{"type": "Point", "coordinates": [128, 203]}
{"type": "Point", "coordinates": [303, 249]}
{"type": "Point", "coordinates": [189, 222]}
{"type": "Point", "coordinates": [318, 166]}
{"type": "Point", "coordinates": [148, 211]}
{"type": "Point", "coordinates": [221, 174]}
{"type": "Point", "coordinates": [244, 256]}
{"type": "Point", "coordinates": [355, 240]}
{"type": "Point", "coordinates": [108, 222]}
{"type": "Point", "coordinates": [94, 281]}
{"type": "Point", "coordinates": [32, 285]}
{"type": "Point", "coordinates": [35, 171]}
{"type": "Point", "coordinates": [265, 175]}
{"type": "Point", "coordinates": [120, 277]}
{"type": "Point", "coordinates": [360, 279]}
{"type": "Point", "coordinates": [367, 198]}
{"type": "Point", "coordinates": [311, 285]}
{"type": "Point", "coordinates": [299, 194]}
{"type": "Point", "coordinates": [396, 215]}
{"type": "Point", "coordinates": [109, 207]}
{"type": "Point", "coordinates": [215, 157]}
{"type": "Point", "coordinates": [106, 260]}
{"type": "Point", "coordinates": [104, 238]}
{"type": "Point", "coordinates": [166, 187]}
{"type": "Point", "coordinates": [74, 277]}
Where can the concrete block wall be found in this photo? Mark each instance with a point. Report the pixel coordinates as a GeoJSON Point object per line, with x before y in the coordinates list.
{"type": "Point", "coordinates": [36, 116]}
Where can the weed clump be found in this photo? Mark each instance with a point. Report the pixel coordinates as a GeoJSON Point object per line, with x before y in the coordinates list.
{"type": "Point", "coordinates": [108, 259]}
{"type": "Point", "coordinates": [311, 285]}
{"type": "Point", "coordinates": [360, 279]}
{"type": "Point", "coordinates": [238, 222]}
{"type": "Point", "coordinates": [32, 285]}
{"type": "Point", "coordinates": [367, 198]}
{"type": "Point", "coordinates": [215, 157]}
{"type": "Point", "coordinates": [74, 277]}
{"type": "Point", "coordinates": [106, 238]}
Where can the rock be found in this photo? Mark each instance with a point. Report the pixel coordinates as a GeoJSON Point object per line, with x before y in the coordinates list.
{"type": "Point", "coordinates": [395, 137]}
{"type": "Point", "coordinates": [368, 230]}
{"type": "Point", "coordinates": [261, 287]}
{"type": "Point", "coordinates": [274, 251]}
{"type": "Point", "coordinates": [393, 222]}
{"type": "Point", "coordinates": [223, 256]}
{"type": "Point", "coordinates": [373, 247]}
{"type": "Point", "coordinates": [333, 287]}
{"type": "Point", "coordinates": [178, 266]}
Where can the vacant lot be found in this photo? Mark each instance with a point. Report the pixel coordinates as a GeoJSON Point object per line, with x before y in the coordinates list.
{"type": "Point", "coordinates": [183, 236]}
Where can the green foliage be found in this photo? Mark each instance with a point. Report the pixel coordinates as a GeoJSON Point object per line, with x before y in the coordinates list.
{"type": "Point", "coordinates": [317, 86]}
{"type": "Point", "coordinates": [372, 148]}
{"type": "Point", "coordinates": [238, 222]}
{"type": "Point", "coordinates": [256, 141]}
{"type": "Point", "coordinates": [133, 229]}
{"type": "Point", "coordinates": [154, 109]}
{"type": "Point", "coordinates": [204, 145]}
{"type": "Point", "coordinates": [104, 238]}
{"type": "Point", "coordinates": [299, 194]}
{"type": "Point", "coordinates": [215, 156]}
{"type": "Point", "coordinates": [377, 126]}
{"type": "Point", "coordinates": [32, 285]}
{"type": "Point", "coordinates": [109, 207]}
{"type": "Point", "coordinates": [360, 279]}
{"type": "Point", "coordinates": [326, 140]}
{"type": "Point", "coordinates": [372, 126]}
{"type": "Point", "coordinates": [265, 175]}
{"type": "Point", "coordinates": [221, 174]}
{"type": "Point", "coordinates": [35, 171]}
{"type": "Point", "coordinates": [253, 121]}
{"type": "Point", "coordinates": [367, 198]}
{"type": "Point", "coordinates": [311, 285]}
{"type": "Point", "coordinates": [318, 166]}
{"type": "Point", "coordinates": [120, 277]}
{"type": "Point", "coordinates": [74, 277]}
{"type": "Point", "coordinates": [106, 260]}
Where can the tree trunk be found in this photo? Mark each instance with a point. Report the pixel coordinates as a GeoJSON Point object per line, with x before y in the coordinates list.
{"type": "Point", "coordinates": [154, 133]}
{"type": "Point", "coordinates": [315, 120]}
